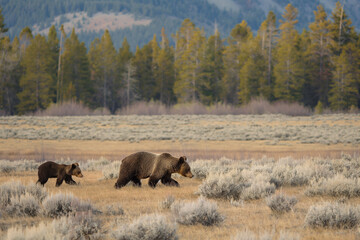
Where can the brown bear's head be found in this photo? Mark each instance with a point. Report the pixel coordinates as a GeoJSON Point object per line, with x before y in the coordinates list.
{"type": "Point", "coordinates": [184, 168]}
{"type": "Point", "coordinates": [74, 169]}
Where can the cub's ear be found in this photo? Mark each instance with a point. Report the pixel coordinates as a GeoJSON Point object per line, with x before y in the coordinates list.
{"type": "Point", "coordinates": [74, 165]}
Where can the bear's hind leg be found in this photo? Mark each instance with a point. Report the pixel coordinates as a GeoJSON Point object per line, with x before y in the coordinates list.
{"type": "Point", "coordinates": [42, 181]}
{"type": "Point", "coordinates": [153, 181]}
{"type": "Point", "coordinates": [136, 181]}
{"type": "Point", "coordinates": [121, 182]}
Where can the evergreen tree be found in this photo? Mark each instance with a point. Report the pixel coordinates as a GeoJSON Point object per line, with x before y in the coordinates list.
{"type": "Point", "coordinates": [289, 69]}
{"type": "Point", "coordinates": [9, 77]}
{"type": "Point", "coordinates": [36, 83]}
{"type": "Point", "coordinates": [164, 72]}
{"type": "Point", "coordinates": [267, 36]}
{"type": "Point", "coordinates": [53, 43]}
{"type": "Point", "coordinates": [103, 65]}
{"type": "Point", "coordinates": [25, 39]}
{"type": "Point", "coordinates": [344, 91]}
{"type": "Point", "coordinates": [319, 54]}
{"type": "Point", "coordinates": [143, 62]}
{"type": "Point", "coordinates": [2, 25]}
{"type": "Point", "coordinates": [212, 71]}
{"type": "Point", "coordinates": [341, 31]}
{"type": "Point", "coordinates": [189, 52]}
{"type": "Point", "coordinates": [234, 57]}
{"type": "Point", "coordinates": [126, 72]}
{"type": "Point", "coordinates": [77, 85]}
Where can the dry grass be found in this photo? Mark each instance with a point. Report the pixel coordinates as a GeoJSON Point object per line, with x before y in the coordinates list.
{"type": "Point", "coordinates": [116, 150]}
{"type": "Point", "coordinates": [253, 215]}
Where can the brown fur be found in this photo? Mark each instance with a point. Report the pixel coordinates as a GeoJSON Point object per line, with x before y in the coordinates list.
{"type": "Point", "coordinates": [60, 171]}
{"type": "Point", "coordinates": [156, 167]}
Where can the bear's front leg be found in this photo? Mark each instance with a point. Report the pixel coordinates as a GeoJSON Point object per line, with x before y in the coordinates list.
{"type": "Point", "coordinates": [168, 181]}
{"type": "Point", "coordinates": [69, 180]}
{"type": "Point", "coordinates": [153, 181]}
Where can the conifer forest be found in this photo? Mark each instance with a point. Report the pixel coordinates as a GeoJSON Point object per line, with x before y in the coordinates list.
{"type": "Point", "coordinates": [319, 65]}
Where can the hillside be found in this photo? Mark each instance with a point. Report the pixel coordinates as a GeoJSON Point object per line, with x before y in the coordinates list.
{"type": "Point", "coordinates": [138, 20]}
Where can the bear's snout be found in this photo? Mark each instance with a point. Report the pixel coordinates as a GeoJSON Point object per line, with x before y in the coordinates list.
{"type": "Point", "coordinates": [189, 175]}
{"type": "Point", "coordinates": [79, 175]}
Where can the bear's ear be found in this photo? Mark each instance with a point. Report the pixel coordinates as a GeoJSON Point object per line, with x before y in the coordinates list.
{"type": "Point", "coordinates": [74, 165]}
{"type": "Point", "coordinates": [182, 159]}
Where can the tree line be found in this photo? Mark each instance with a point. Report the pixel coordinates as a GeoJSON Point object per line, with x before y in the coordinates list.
{"type": "Point", "coordinates": [319, 66]}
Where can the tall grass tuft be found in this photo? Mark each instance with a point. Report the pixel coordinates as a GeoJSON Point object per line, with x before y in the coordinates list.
{"type": "Point", "coordinates": [147, 227]}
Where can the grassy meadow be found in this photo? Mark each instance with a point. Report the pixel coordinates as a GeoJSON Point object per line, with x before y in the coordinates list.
{"type": "Point", "coordinates": [255, 177]}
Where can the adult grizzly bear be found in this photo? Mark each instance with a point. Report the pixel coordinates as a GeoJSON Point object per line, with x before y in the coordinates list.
{"type": "Point", "coordinates": [156, 167]}
{"type": "Point", "coordinates": [60, 171]}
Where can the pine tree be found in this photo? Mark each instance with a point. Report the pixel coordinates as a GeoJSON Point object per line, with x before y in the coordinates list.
{"type": "Point", "coordinates": [164, 72]}
{"type": "Point", "coordinates": [25, 39]}
{"type": "Point", "coordinates": [126, 72]}
{"type": "Point", "coordinates": [289, 70]}
{"type": "Point", "coordinates": [2, 25]}
{"type": "Point", "coordinates": [319, 54]}
{"type": "Point", "coordinates": [77, 85]}
{"type": "Point", "coordinates": [234, 59]}
{"type": "Point", "coordinates": [189, 52]}
{"type": "Point", "coordinates": [53, 43]}
{"type": "Point", "coordinates": [102, 58]}
{"type": "Point", "coordinates": [37, 81]}
{"type": "Point", "coordinates": [143, 62]}
{"type": "Point", "coordinates": [267, 36]}
{"type": "Point", "coordinates": [9, 77]}
{"type": "Point", "coordinates": [210, 85]}
{"type": "Point", "coordinates": [344, 91]}
{"type": "Point", "coordinates": [341, 31]}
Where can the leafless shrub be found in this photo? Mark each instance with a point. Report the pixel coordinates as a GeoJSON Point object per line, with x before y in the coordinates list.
{"type": "Point", "coordinates": [147, 227]}
{"type": "Point", "coordinates": [257, 190]}
{"type": "Point", "coordinates": [111, 170]}
{"type": "Point", "coordinates": [188, 108]}
{"type": "Point", "coordinates": [81, 226]}
{"type": "Point", "coordinates": [167, 202]}
{"type": "Point", "coordinates": [202, 211]}
{"type": "Point", "coordinates": [332, 215]}
{"type": "Point", "coordinates": [285, 235]}
{"type": "Point", "coordinates": [114, 209]}
{"type": "Point", "coordinates": [144, 108]}
{"type": "Point", "coordinates": [24, 205]}
{"type": "Point", "coordinates": [71, 108]}
{"type": "Point", "coordinates": [11, 191]}
{"type": "Point", "coordinates": [64, 204]}
{"type": "Point", "coordinates": [336, 186]}
{"type": "Point", "coordinates": [281, 203]}
{"type": "Point", "coordinates": [226, 186]}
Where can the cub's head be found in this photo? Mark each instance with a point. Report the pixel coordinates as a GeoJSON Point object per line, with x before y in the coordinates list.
{"type": "Point", "coordinates": [74, 169]}
{"type": "Point", "coordinates": [184, 168]}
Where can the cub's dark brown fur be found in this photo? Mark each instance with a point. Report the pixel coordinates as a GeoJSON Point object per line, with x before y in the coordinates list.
{"type": "Point", "coordinates": [60, 171]}
{"type": "Point", "coordinates": [153, 166]}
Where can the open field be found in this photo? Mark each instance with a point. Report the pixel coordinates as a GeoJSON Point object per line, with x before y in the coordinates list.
{"type": "Point", "coordinates": [244, 214]}
{"type": "Point", "coordinates": [197, 136]}
{"type": "Point", "coordinates": [313, 159]}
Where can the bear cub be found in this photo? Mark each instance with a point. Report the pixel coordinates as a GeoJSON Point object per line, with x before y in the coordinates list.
{"type": "Point", "coordinates": [60, 171]}
{"type": "Point", "coordinates": [156, 167]}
